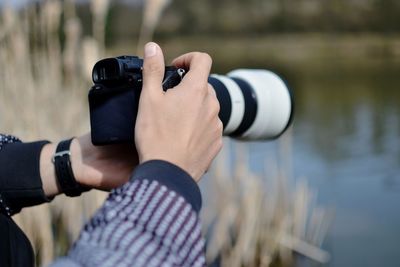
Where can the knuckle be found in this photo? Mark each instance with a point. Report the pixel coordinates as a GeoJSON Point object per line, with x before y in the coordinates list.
{"type": "Point", "coordinates": [196, 55]}
{"type": "Point", "coordinates": [206, 57]}
{"type": "Point", "coordinates": [203, 57]}
{"type": "Point", "coordinates": [211, 90]}
{"type": "Point", "coordinates": [220, 126]}
{"type": "Point", "coordinates": [216, 106]}
{"type": "Point", "coordinates": [219, 144]}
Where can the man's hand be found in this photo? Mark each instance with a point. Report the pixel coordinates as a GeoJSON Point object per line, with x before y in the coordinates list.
{"type": "Point", "coordinates": [100, 167]}
{"type": "Point", "coordinates": [180, 125]}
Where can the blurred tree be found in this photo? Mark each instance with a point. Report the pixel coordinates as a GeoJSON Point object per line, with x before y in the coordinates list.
{"type": "Point", "coordinates": [249, 17]}
{"type": "Point", "coordinates": [386, 15]}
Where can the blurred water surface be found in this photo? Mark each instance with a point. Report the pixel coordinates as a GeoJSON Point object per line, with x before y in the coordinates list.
{"type": "Point", "coordinates": [346, 142]}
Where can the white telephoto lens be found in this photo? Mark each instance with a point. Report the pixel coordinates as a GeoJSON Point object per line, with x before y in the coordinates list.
{"type": "Point", "coordinates": [274, 103]}
{"type": "Point", "coordinates": [237, 100]}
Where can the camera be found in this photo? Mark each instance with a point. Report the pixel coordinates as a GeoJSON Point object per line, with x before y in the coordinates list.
{"type": "Point", "coordinates": [254, 104]}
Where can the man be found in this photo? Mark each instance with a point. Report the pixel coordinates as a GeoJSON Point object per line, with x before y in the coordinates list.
{"type": "Point", "coordinates": [151, 219]}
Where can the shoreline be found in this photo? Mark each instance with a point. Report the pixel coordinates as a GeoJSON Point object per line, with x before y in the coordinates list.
{"type": "Point", "coordinates": [310, 55]}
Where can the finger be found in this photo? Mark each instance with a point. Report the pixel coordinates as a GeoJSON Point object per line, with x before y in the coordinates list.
{"type": "Point", "coordinates": [153, 69]}
{"type": "Point", "coordinates": [211, 90]}
{"type": "Point", "coordinates": [198, 66]}
{"type": "Point", "coordinates": [213, 105]}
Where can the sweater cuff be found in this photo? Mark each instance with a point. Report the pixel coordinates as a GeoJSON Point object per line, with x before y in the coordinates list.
{"type": "Point", "coordinates": [171, 176]}
{"type": "Point", "coordinates": [20, 180]}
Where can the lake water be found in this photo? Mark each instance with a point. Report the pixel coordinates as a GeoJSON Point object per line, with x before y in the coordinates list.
{"type": "Point", "coordinates": [345, 142]}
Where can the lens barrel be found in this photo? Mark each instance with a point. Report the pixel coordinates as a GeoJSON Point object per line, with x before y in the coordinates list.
{"type": "Point", "coordinates": [255, 104]}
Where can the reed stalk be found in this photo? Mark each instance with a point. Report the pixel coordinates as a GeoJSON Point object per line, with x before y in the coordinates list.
{"type": "Point", "coordinates": [152, 12]}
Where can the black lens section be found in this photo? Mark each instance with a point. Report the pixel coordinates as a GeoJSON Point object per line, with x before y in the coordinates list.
{"type": "Point", "coordinates": [250, 107]}
{"type": "Point", "coordinates": [292, 106]}
{"type": "Point", "coordinates": [224, 100]}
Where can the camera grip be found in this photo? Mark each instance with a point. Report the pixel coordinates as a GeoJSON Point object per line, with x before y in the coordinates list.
{"type": "Point", "coordinates": [172, 77]}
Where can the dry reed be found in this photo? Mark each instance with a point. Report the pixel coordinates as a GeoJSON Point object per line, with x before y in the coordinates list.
{"type": "Point", "coordinates": [43, 92]}
{"type": "Point", "coordinates": [152, 11]}
{"type": "Point", "coordinates": [43, 87]}
{"type": "Point", "coordinates": [253, 220]}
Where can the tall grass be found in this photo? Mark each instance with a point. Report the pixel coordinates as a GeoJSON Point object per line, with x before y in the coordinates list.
{"type": "Point", "coordinates": [43, 92]}
{"type": "Point", "coordinates": [261, 220]}
{"type": "Point", "coordinates": [249, 220]}
{"type": "Point", "coordinates": [152, 12]}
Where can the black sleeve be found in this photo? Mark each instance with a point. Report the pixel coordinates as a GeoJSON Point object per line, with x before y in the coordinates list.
{"type": "Point", "coordinates": [15, 248]}
{"type": "Point", "coordinates": [20, 181]}
{"type": "Point", "coordinates": [171, 176]}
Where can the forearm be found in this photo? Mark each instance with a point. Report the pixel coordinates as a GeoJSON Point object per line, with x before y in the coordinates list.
{"type": "Point", "coordinates": [20, 180]}
{"type": "Point", "coordinates": [27, 175]}
{"type": "Point", "coordinates": [150, 221]}
{"type": "Point", "coordinates": [47, 171]}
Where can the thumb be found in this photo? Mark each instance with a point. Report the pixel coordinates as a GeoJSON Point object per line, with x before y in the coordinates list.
{"type": "Point", "coordinates": [153, 68]}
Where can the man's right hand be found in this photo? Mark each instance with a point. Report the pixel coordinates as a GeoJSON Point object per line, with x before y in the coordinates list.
{"type": "Point", "coordinates": [180, 125]}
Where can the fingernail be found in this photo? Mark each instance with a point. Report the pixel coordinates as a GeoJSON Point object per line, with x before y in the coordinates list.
{"type": "Point", "coordinates": [150, 50]}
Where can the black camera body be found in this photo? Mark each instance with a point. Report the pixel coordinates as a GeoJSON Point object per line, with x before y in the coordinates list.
{"type": "Point", "coordinates": [114, 97]}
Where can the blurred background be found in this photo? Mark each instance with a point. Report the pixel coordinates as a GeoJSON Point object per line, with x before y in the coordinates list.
{"type": "Point", "coordinates": [327, 193]}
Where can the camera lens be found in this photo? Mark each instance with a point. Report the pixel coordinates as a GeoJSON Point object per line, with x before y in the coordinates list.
{"type": "Point", "coordinates": [255, 104]}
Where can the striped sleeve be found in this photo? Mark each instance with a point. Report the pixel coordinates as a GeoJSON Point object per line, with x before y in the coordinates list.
{"type": "Point", "coordinates": [150, 221]}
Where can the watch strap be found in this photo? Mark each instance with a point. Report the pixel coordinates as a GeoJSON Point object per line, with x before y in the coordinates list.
{"type": "Point", "coordinates": [64, 173]}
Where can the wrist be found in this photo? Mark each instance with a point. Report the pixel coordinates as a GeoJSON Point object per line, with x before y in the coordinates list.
{"type": "Point", "coordinates": [64, 170]}
{"type": "Point", "coordinates": [76, 161]}
{"type": "Point", "coordinates": [47, 171]}
{"type": "Point", "coordinates": [179, 163]}
{"type": "Point", "coordinates": [79, 153]}
{"type": "Point", "coordinates": [82, 155]}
